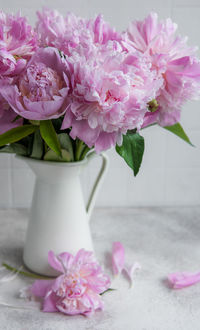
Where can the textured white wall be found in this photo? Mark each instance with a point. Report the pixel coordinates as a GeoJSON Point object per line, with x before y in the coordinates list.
{"type": "Point", "coordinates": [170, 173]}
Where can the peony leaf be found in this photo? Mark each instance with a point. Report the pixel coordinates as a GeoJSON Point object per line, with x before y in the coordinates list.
{"type": "Point", "coordinates": [37, 148]}
{"type": "Point", "coordinates": [132, 150]}
{"type": "Point", "coordinates": [52, 156]}
{"type": "Point", "coordinates": [16, 134]}
{"type": "Point", "coordinates": [66, 144]}
{"type": "Point", "coordinates": [15, 148]}
{"type": "Point", "coordinates": [49, 135]}
{"type": "Point", "coordinates": [178, 130]}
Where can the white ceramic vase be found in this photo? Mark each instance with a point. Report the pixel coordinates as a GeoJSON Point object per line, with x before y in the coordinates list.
{"type": "Point", "coordinates": [59, 220]}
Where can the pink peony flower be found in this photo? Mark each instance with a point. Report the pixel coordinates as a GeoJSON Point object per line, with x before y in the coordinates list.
{"type": "Point", "coordinates": [18, 42]}
{"type": "Point", "coordinates": [7, 117]}
{"type": "Point", "coordinates": [108, 96]}
{"type": "Point", "coordinates": [174, 62]}
{"type": "Point", "coordinates": [39, 92]}
{"type": "Point", "coordinates": [102, 31]}
{"type": "Point", "coordinates": [77, 290]}
{"type": "Point", "coordinates": [184, 279]}
{"type": "Point", "coordinates": [70, 32]}
{"type": "Point", "coordinates": [50, 28]}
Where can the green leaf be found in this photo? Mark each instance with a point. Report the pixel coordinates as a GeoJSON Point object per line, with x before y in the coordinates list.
{"type": "Point", "coordinates": [132, 150]}
{"type": "Point", "coordinates": [50, 137]}
{"type": "Point", "coordinates": [37, 148]}
{"type": "Point", "coordinates": [16, 134]}
{"type": "Point", "coordinates": [52, 156]}
{"type": "Point", "coordinates": [15, 148]}
{"type": "Point", "coordinates": [178, 130]}
{"type": "Point", "coordinates": [66, 144]}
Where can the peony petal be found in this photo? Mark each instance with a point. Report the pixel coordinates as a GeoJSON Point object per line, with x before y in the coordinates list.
{"type": "Point", "coordinates": [41, 287]}
{"type": "Point", "coordinates": [181, 280]}
{"type": "Point", "coordinates": [130, 271]}
{"type": "Point", "coordinates": [49, 304]}
{"type": "Point", "coordinates": [54, 262]}
{"type": "Point", "coordinates": [106, 141]}
{"type": "Point", "coordinates": [118, 255]}
{"type": "Point", "coordinates": [61, 262]}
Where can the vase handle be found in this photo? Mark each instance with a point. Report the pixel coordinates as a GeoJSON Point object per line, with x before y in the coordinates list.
{"type": "Point", "coordinates": [98, 181]}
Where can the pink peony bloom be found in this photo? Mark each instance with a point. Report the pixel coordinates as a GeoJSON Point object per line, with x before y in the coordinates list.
{"type": "Point", "coordinates": [18, 42]}
{"type": "Point", "coordinates": [182, 280]}
{"type": "Point", "coordinates": [108, 96]}
{"type": "Point", "coordinates": [70, 32]}
{"type": "Point", "coordinates": [174, 62]}
{"type": "Point", "coordinates": [77, 290]}
{"type": "Point", "coordinates": [39, 92]}
{"type": "Point", "coordinates": [102, 32]}
{"type": "Point", "coordinates": [7, 117]}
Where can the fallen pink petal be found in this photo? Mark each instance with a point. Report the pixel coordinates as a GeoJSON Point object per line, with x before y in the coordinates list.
{"type": "Point", "coordinates": [131, 270]}
{"type": "Point", "coordinates": [118, 257]}
{"type": "Point", "coordinates": [181, 280]}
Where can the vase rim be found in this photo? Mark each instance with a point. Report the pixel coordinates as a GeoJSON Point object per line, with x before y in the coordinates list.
{"type": "Point", "coordinates": [52, 163]}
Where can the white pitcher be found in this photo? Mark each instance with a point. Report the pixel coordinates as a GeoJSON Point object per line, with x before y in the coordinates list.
{"type": "Point", "coordinates": [59, 220]}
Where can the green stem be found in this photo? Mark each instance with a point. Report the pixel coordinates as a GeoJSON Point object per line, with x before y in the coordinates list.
{"type": "Point", "coordinates": [84, 152]}
{"type": "Point", "coordinates": [79, 148]}
{"type": "Point", "coordinates": [27, 274]}
{"type": "Point", "coordinates": [110, 289]}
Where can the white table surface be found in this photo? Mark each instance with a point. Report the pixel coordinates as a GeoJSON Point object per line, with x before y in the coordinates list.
{"type": "Point", "coordinates": [162, 240]}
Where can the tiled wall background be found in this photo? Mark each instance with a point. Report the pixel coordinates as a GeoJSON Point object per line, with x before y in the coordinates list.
{"type": "Point", "coordinates": [170, 174]}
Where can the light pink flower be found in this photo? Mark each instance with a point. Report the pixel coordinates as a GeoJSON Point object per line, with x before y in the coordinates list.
{"type": "Point", "coordinates": [39, 92]}
{"type": "Point", "coordinates": [7, 117]}
{"type": "Point", "coordinates": [18, 42]}
{"type": "Point", "coordinates": [50, 28]}
{"type": "Point", "coordinates": [173, 60]}
{"type": "Point", "coordinates": [108, 96]}
{"type": "Point", "coordinates": [70, 32]}
{"type": "Point", "coordinates": [102, 31]}
{"type": "Point", "coordinates": [181, 280]}
{"type": "Point", "coordinates": [77, 290]}
{"type": "Point", "coordinates": [66, 34]}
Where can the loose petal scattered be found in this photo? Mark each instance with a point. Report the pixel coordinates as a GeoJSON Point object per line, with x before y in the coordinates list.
{"type": "Point", "coordinates": [130, 271]}
{"type": "Point", "coordinates": [118, 257]}
{"type": "Point", "coordinates": [181, 280]}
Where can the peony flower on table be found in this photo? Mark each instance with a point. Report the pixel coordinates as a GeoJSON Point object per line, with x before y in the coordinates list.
{"type": "Point", "coordinates": [77, 290]}
{"type": "Point", "coordinates": [174, 61]}
{"type": "Point", "coordinates": [40, 91]}
{"type": "Point", "coordinates": [18, 42]}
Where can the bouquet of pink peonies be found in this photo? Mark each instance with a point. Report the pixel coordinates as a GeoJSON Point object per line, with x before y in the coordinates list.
{"type": "Point", "coordinates": [71, 84]}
